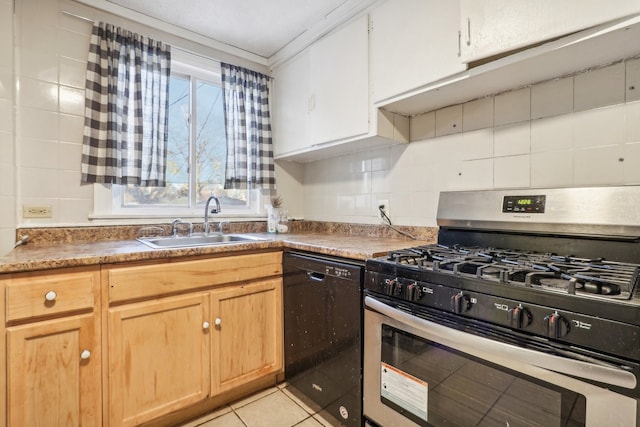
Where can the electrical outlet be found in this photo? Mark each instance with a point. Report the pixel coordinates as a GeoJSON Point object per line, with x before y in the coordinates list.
{"type": "Point", "coordinates": [385, 207]}
{"type": "Point", "coordinates": [37, 211]}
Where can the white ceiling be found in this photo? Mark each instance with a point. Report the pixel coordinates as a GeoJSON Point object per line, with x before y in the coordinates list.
{"type": "Point", "coordinates": [261, 27]}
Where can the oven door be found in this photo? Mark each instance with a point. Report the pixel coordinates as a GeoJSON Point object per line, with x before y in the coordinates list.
{"type": "Point", "coordinates": [419, 372]}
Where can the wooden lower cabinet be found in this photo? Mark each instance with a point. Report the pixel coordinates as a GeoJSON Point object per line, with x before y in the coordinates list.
{"type": "Point", "coordinates": [159, 357]}
{"type": "Point", "coordinates": [53, 373]}
{"type": "Point", "coordinates": [204, 341]}
{"type": "Point", "coordinates": [247, 335]}
{"type": "Point", "coordinates": [96, 346]}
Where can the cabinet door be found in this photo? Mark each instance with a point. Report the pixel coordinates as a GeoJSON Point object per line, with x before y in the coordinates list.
{"type": "Point", "coordinates": [340, 84]}
{"type": "Point", "coordinates": [247, 339]}
{"type": "Point", "coordinates": [291, 105]}
{"type": "Point", "coordinates": [492, 27]}
{"type": "Point", "coordinates": [159, 357]}
{"type": "Point", "coordinates": [413, 43]}
{"type": "Point", "coordinates": [53, 371]}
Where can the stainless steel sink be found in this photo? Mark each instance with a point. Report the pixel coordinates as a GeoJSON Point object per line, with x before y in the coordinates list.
{"type": "Point", "coordinates": [199, 240]}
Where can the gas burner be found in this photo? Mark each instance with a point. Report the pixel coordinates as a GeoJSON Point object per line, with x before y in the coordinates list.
{"type": "Point", "coordinates": [538, 271]}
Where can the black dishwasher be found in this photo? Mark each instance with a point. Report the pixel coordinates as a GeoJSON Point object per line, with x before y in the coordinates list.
{"type": "Point", "coordinates": [323, 333]}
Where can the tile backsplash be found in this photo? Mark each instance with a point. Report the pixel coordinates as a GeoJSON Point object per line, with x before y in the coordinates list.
{"type": "Point", "coordinates": [579, 130]}
{"type": "Point", "coordinates": [7, 158]}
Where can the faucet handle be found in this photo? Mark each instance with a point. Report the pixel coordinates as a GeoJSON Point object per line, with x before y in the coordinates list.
{"type": "Point", "coordinates": [178, 221]}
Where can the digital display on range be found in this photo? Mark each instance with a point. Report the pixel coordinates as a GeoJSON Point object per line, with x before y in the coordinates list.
{"type": "Point", "coordinates": [527, 204]}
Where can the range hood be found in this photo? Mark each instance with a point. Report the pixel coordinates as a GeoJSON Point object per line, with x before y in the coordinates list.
{"type": "Point", "coordinates": [601, 45]}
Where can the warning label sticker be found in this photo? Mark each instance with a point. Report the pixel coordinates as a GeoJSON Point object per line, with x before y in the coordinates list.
{"type": "Point", "coordinates": [404, 390]}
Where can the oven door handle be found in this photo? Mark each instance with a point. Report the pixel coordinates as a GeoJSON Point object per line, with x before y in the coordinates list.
{"type": "Point", "coordinates": [476, 345]}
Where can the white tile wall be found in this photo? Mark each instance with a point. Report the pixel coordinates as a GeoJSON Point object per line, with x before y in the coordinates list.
{"type": "Point", "coordinates": [6, 31]}
{"type": "Point", "coordinates": [552, 133]}
{"type": "Point", "coordinates": [6, 148]}
{"type": "Point", "coordinates": [632, 123]}
{"type": "Point", "coordinates": [72, 72]}
{"type": "Point", "coordinates": [512, 172]}
{"type": "Point", "coordinates": [552, 98]}
{"type": "Point", "coordinates": [477, 174]}
{"type": "Point", "coordinates": [7, 183]}
{"type": "Point", "coordinates": [631, 159]}
{"type": "Point", "coordinates": [39, 65]}
{"type": "Point", "coordinates": [513, 107]}
{"type": "Point", "coordinates": [477, 114]}
{"type": "Point", "coordinates": [596, 165]}
{"type": "Point", "coordinates": [6, 89]}
{"type": "Point", "coordinates": [633, 80]}
{"type": "Point", "coordinates": [38, 94]}
{"type": "Point", "coordinates": [51, 50]}
{"type": "Point", "coordinates": [6, 114]}
{"type": "Point", "coordinates": [39, 153]}
{"type": "Point", "coordinates": [600, 126]}
{"type": "Point", "coordinates": [478, 144]}
{"type": "Point", "coordinates": [531, 137]}
{"type": "Point", "coordinates": [603, 86]}
{"type": "Point", "coordinates": [449, 120]}
{"type": "Point", "coordinates": [423, 126]}
{"type": "Point", "coordinates": [512, 139]}
{"type": "Point", "coordinates": [7, 163]}
{"type": "Point", "coordinates": [553, 168]}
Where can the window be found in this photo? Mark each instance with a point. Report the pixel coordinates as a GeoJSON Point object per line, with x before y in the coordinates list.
{"type": "Point", "coordinates": [196, 151]}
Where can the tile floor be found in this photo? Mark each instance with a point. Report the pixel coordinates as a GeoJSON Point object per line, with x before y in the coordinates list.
{"type": "Point", "coordinates": [273, 407]}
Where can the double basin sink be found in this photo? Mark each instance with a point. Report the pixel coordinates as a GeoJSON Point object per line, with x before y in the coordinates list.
{"type": "Point", "coordinates": [196, 240]}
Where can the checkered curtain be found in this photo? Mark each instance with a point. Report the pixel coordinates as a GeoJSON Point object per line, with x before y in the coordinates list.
{"type": "Point", "coordinates": [126, 108]}
{"type": "Point", "coordinates": [248, 128]}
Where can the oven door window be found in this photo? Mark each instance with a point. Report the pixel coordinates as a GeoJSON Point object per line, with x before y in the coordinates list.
{"type": "Point", "coordinates": [434, 385]}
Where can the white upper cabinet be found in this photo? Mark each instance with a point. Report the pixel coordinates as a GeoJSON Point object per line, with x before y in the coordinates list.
{"type": "Point", "coordinates": [493, 27]}
{"type": "Point", "coordinates": [339, 101]}
{"type": "Point", "coordinates": [413, 43]}
{"type": "Point", "coordinates": [322, 102]}
{"type": "Point", "coordinates": [322, 94]}
{"type": "Point", "coordinates": [291, 105]}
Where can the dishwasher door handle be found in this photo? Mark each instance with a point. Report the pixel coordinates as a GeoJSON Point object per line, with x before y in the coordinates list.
{"type": "Point", "coordinates": [316, 277]}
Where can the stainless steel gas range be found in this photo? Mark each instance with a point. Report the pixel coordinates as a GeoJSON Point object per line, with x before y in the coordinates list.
{"type": "Point", "coordinates": [526, 312]}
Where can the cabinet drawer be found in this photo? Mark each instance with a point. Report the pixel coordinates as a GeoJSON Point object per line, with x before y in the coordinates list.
{"type": "Point", "coordinates": [36, 294]}
{"type": "Point", "coordinates": [152, 280]}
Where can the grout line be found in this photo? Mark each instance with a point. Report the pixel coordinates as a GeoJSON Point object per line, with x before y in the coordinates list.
{"type": "Point", "coordinates": [268, 392]}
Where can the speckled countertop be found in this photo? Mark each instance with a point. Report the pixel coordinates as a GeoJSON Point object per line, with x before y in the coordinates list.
{"type": "Point", "coordinates": [331, 241]}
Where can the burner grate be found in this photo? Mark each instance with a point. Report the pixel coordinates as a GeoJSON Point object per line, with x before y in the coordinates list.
{"type": "Point", "coordinates": [541, 271]}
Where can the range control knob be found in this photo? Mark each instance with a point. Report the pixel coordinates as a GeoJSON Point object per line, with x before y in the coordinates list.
{"type": "Point", "coordinates": [392, 287]}
{"type": "Point", "coordinates": [520, 317]}
{"type": "Point", "coordinates": [460, 303]}
{"type": "Point", "coordinates": [555, 325]}
{"type": "Point", "coordinates": [414, 293]}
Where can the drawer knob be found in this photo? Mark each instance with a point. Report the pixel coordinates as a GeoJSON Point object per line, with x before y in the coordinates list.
{"type": "Point", "coordinates": [50, 296]}
{"type": "Point", "coordinates": [85, 354]}
{"type": "Point", "coordinates": [206, 325]}
{"type": "Point", "coordinates": [218, 321]}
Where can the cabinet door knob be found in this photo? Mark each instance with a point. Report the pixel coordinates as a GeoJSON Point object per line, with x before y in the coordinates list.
{"type": "Point", "coordinates": [50, 296]}
{"type": "Point", "coordinates": [218, 321]}
{"type": "Point", "coordinates": [205, 325]}
{"type": "Point", "coordinates": [85, 354]}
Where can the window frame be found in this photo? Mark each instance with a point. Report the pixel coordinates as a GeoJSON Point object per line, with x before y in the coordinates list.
{"type": "Point", "coordinates": [108, 198]}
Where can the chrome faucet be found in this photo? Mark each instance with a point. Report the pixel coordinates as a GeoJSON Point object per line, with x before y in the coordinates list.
{"type": "Point", "coordinates": [174, 227]}
{"type": "Point", "coordinates": [215, 210]}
